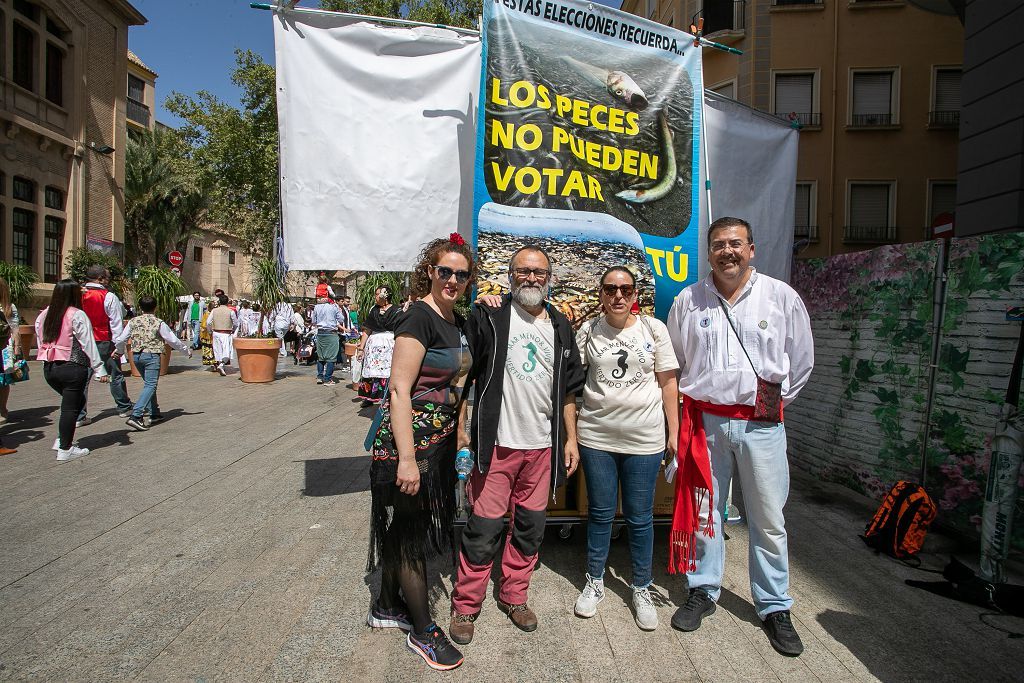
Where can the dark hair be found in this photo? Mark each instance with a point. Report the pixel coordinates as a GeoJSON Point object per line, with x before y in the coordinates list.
{"type": "Point", "coordinates": [222, 300]}
{"type": "Point", "coordinates": [194, 293]}
{"type": "Point", "coordinates": [618, 269]}
{"type": "Point", "coordinates": [147, 304]}
{"type": "Point", "coordinates": [431, 254]}
{"type": "Point", "coordinates": [66, 294]}
{"type": "Point", "coordinates": [95, 272]}
{"type": "Point", "coordinates": [730, 222]}
{"type": "Point", "coordinates": [529, 247]}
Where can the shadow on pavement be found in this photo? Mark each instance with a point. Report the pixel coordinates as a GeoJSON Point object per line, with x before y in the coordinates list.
{"type": "Point", "coordinates": [336, 476]}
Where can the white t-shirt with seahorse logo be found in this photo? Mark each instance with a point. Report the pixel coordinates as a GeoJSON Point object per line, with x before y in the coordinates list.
{"type": "Point", "coordinates": [525, 421]}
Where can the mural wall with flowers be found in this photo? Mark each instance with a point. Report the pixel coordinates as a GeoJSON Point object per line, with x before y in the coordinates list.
{"type": "Point", "coordinates": [859, 420]}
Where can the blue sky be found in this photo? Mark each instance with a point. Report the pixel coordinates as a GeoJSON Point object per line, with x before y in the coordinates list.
{"type": "Point", "coordinates": [190, 44]}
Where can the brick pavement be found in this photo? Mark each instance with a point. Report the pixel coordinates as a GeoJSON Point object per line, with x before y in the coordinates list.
{"type": "Point", "coordinates": [229, 544]}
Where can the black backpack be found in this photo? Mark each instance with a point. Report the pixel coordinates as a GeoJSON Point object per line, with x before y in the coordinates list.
{"type": "Point", "coordinates": [5, 331]}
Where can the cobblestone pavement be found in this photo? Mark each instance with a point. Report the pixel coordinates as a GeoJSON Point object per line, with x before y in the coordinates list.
{"type": "Point", "coordinates": [229, 543]}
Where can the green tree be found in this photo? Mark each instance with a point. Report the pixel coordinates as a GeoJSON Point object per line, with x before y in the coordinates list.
{"type": "Point", "coordinates": [234, 154]}
{"type": "Point", "coordinates": [462, 13]}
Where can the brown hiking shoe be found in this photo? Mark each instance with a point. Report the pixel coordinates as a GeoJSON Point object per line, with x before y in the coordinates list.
{"type": "Point", "coordinates": [461, 627]}
{"type": "Point", "coordinates": [521, 615]}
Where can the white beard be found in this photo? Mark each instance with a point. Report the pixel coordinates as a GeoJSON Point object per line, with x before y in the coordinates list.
{"type": "Point", "coordinates": [530, 297]}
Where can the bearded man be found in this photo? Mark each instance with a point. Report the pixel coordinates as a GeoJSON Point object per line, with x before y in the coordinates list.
{"type": "Point", "coordinates": [527, 371]}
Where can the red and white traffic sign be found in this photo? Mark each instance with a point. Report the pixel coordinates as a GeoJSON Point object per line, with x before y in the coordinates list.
{"type": "Point", "coordinates": [176, 258]}
{"type": "Point", "coordinates": [176, 270]}
{"type": "Point", "coordinates": [942, 226]}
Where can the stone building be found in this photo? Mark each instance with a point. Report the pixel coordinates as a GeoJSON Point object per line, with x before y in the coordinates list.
{"type": "Point", "coordinates": [63, 70]}
{"type": "Point", "coordinates": [874, 86]}
{"type": "Point", "coordinates": [140, 101]}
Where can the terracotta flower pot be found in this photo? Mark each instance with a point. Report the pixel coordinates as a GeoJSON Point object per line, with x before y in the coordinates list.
{"type": "Point", "coordinates": [26, 339]}
{"type": "Point", "coordinates": [165, 359]}
{"type": "Point", "coordinates": [257, 358]}
{"type": "Point", "coordinates": [350, 349]}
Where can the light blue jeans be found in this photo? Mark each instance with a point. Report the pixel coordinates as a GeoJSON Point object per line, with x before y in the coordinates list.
{"type": "Point", "coordinates": [149, 365]}
{"type": "Point", "coordinates": [756, 453]}
{"type": "Point", "coordinates": [195, 333]}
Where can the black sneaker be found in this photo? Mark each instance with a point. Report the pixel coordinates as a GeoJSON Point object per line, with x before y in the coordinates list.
{"type": "Point", "coordinates": [781, 634]}
{"type": "Point", "coordinates": [390, 617]}
{"type": "Point", "coordinates": [698, 606]}
{"type": "Point", "coordinates": [136, 424]}
{"type": "Point", "coordinates": [435, 648]}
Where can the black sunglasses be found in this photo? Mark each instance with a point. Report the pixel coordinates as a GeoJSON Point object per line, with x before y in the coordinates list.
{"type": "Point", "coordinates": [627, 290]}
{"type": "Point", "coordinates": [445, 273]}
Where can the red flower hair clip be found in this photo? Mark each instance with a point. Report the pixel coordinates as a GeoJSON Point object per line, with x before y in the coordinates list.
{"type": "Point", "coordinates": [456, 238]}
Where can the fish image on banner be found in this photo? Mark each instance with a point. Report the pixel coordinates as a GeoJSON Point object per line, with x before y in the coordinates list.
{"type": "Point", "coordinates": [589, 146]}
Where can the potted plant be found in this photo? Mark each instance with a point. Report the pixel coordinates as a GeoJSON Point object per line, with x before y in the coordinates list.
{"type": "Point", "coordinates": [257, 355]}
{"type": "Point", "coordinates": [20, 280]}
{"type": "Point", "coordinates": [165, 287]}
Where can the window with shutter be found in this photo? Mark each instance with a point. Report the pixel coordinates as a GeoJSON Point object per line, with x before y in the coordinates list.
{"type": "Point", "coordinates": [726, 89]}
{"type": "Point", "coordinates": [943, 200]}
{"type": "Point", "coordinates": [946, 107]}
{"type": "Point", "coordinates": [794, 95]}
{"type": "Point", "coordinates": [872, 99]}
{"type": "Point", "coordinates": [803, 221]}
{"type": "Point", "coordinates": [870, 205]}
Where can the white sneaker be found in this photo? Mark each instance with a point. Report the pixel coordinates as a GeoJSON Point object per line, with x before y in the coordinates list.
{"type": "Point", "coordinates": [83, 422]}
{"type": "Point", "coordinates": [72, 453]}
{"type": "Point", "coordinates": [643, 608]}
{"type": "Point", "coordinates": [56, 444]}
{"type": "Point", "coordinates": [590, 598]}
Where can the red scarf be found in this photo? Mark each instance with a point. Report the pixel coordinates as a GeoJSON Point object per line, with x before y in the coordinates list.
{"type": "Point", "coordinates": [693, 481]}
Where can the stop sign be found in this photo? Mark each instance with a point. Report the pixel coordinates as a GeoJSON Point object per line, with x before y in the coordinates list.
{"type": "Point", "coordinates": [175, 258]}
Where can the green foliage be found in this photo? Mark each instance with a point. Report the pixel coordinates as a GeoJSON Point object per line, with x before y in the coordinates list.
{"type": "Point", "coordinates": [461, 13]}
{"type": "Point", "coordinates": [162, 285]}
{"type": "Point", "coordinates": [164, 198]}
{"type": "Point", "coordinates": [268, 288]}
{"type": "Point", "coordinates": [19, 279]}
{"type": "Point", "coordinates": [79, 259]}
{"type": "Point", "coordinates": [395, 282]}
{"type": "Point", "coordinates": [234, 152]}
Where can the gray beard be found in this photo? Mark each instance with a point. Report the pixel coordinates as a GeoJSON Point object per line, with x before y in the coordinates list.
{"type": "Point", "coordinates": [530, 297]}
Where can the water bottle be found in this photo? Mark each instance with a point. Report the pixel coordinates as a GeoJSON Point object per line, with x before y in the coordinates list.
{"type": "Point", "coordinates": [463, 466]}
{"type": "Point", "coordinates": [463, 463]}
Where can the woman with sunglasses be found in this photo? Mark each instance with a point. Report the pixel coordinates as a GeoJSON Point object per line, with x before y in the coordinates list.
{"type": "Point", "coordinates": [628, 424]}
{"type": "Point", "coordinates": [412, 472]}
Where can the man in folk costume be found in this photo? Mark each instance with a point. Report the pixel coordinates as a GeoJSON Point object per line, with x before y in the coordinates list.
{"type": "Point", "coordinates": [104, 311]}
{"type": "Point", "coordinates": [221, 323]}
{"type": "Point", "coordinates": [743, 341]}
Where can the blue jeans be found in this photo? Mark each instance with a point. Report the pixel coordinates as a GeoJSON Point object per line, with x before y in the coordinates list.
{"type": "Point", "coordinates": [195, 333]}
{"type": "Point", "coordinates": [149, 365]}
{"type": "Point", "coordinates": [756, 452]}
{"type": "Point", "coordinates": [118, 390]}
{"type": "Point", "coordinates": [638, 475]}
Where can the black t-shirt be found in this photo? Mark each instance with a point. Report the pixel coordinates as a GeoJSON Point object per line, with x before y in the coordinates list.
{"type": "Point", "coordinates": [447, 361]}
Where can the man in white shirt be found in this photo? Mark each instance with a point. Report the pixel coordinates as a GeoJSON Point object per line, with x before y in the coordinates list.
{"type": "Point", "coordinates": [527, 371]}
{"type": "Point", "coordinates": [743, 341]}
{"type": "Point", "coordinates": [106, 315]}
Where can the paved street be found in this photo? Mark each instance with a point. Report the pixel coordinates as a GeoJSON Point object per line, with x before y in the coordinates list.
{"type": "Point", "coordinates": [229, 542]}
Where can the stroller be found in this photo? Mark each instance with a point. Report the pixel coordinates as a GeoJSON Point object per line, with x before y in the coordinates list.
{"type": "Point", "coordinates": [307, 348]}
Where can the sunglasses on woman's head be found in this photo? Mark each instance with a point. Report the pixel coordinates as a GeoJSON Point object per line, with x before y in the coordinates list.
{"type": "Point", "coordinates": [445, 273]}
{"type": "Point", "coordinates": [627, 290]}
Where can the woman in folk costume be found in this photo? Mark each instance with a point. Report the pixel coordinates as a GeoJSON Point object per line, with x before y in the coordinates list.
{"type": "Point", "coordinates": [206, 339]}
{"type": "Point", "coordinates": [376, 346]}
{"type": "Point", "coordinates": [629, 399]}
{"type": "Point", "coordinates": [148, 334]}
{"type": "Point", "coordinates": [412, 472]}
{"type": "Point", "coordinates": [69, 354]}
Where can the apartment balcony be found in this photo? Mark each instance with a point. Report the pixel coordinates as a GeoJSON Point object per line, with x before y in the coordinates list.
{"type": "Point", "coordinates": [872, 121]}
{"type": "Point", "coordinates": [792, 3]}
{"type": "Point", "coordinates": [798, 119]}
{"type": "Point", "coordinates": [724, 20]}
{"type": "Point", "coordinates": [944, 119]}
{"type": "Point", "coordinates": [137, 112]}
{"type": "Point", "coordinates": [869, 234]}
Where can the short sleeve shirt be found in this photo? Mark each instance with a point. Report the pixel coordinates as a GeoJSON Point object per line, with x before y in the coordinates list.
{"type": "Point", "coordinates": [446, 364]}
{"type": "Point", "coordinates": [526, 408]}
{"type": "Point", "coordinates": [622, 405]}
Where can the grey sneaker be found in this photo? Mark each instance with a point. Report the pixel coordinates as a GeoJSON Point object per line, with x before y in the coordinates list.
{"type": "Point", "coordinates": [590, 598]}
{"type": "Point", "coordinates": [643, 609]}
{"type": "Point", "coordinates": [84, 421]}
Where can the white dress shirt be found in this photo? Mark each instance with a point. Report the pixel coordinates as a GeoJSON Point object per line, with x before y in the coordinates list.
{"type": "Point", "coordinates": [776, 332]}
{"type": "Point", "coordinates": [112, 307]}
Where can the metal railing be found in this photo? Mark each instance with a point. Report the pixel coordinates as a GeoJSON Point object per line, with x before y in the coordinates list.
{"type": "Point", "coordinates": [944, 119]}
{"type": "Point", "coordinates": [867, 120]}
{"type": "Point", "coordinates": [803, 118]}
{"type": "Point", "coordinates": [781, 3]}
{"type": "Point", "coordinates": [138, 112]}
{"type": "Point", "coordinates": [722, 15]}
{"type": "Point", "coordinates": [876, 234]}
{"type": "Point", "coordinates": [805, 232]}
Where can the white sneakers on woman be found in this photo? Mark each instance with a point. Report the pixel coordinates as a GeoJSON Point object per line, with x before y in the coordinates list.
{"type": "Point", "coordinates": [643, 607]}
{"type": "Point", "coordinates": [590, 598]}
{"type": "Point", "coordinates": [71, 453]}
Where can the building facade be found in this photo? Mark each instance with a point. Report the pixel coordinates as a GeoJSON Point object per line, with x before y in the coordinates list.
{"type": "Point", "coordinates": [140, 98]}
{"type": "Point", "coordinates": [874, 86]}
{"type": "Point", "coordinates": [63, 68]}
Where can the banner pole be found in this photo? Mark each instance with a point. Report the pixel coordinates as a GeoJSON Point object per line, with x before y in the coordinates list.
{"type": "Point", "coordinates": [704, 146]}
{"type": "Point", "coordinates": [362, 17]}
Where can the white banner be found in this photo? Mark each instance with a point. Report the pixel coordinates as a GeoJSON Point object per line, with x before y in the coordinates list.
{"type": "Point", "coordinates": [752, 161]}
{"type": "Point", "coordinates": [378, 133]}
